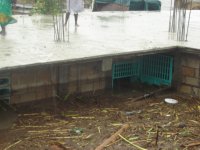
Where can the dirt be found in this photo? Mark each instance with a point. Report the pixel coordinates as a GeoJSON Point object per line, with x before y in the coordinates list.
{"type": "Point", "coordinates": [84, 122]}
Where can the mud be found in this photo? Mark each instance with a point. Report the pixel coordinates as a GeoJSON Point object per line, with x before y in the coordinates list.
{"type": "Point", "coordinates": [84, 122]}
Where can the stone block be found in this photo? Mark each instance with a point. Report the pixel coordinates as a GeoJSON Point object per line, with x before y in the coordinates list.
{"type": "Point", "coordinates": [72, 87]}
{"type": "Point", "coordinates": [87, 86]}
{"type": "Point", "coordinates": [195, 92]}
{"type": "Point", "coordinates": [63, 73]}
{"type": "Point", "coordinates": [190, 62]}
{"type": "Point", "coordinates": [21, 97]}
{"type": "Point", "coordinates": [107, 64]}
{"type": "Point", "coordinates": [197, 73]}
{"type": "Point", "coordinates": [188, 71]}
{"type": "Point", "coordinates": [87, 73]}
{"type": "Point", "coordinates": [73, 73]}
{"type": "Point", "coordinates": [185, 89]}
{"type": "Point", "coordinates": [191, 81]}
{"type": "Point", "coordinates": [32, 77]}
{"type": "Point", "coordinates": [91, 70]}
{"type": "Point", "coordinates": [33, 94]}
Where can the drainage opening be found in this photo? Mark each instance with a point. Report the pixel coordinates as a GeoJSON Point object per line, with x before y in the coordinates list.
{"type": "Point", "coordinates": [4, 81]}
{"type": "Point", "coordinates": [5, 89]}
{"type": "Point", "coordinates": [150, 69]}
{"type": "Point", "coordinates": [4, 92]}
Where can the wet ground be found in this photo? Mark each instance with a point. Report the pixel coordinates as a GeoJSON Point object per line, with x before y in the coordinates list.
{"type": "Point", "coordinates": [84, 122]}
{"type": "Point", "coordinates": [31, 40]}
{"type": "Point", "coordinates": [7, 116]}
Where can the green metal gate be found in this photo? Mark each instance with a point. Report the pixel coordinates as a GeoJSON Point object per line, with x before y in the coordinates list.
{"type": "Point", "coordinates": [156, 69]}
{"type": "Point", "coordinates": [124, 69]}
{"type": "Point", "coordinates": [5, 89]}
{"type": "Point", "coordinates": [152, 69]}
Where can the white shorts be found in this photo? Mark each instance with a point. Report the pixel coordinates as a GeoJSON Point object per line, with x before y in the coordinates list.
{"type": "Point", "coordinates": [75, 6]}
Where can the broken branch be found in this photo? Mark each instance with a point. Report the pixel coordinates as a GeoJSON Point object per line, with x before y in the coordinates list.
{"type": "Point", "coordinates": [12, 145]}
{"type": "Point", "coordinates": [193, 144]}
{"type": "Point", "coordinates": [113, 138]}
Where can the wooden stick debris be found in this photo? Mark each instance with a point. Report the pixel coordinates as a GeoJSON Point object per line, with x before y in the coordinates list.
{"type": "Point", "coordinates": [33, 126]}
{"type": "Point", "coordinates": [33, 114]}
{"type": "Point", "coordinates": [148, 95]}
{"type": "Point", "coordinates": [49, 131]}
{"type": "Point", "coordinates": [83, 117]}
{"type": "Point", "coordinates": [99, 129]}
{"type": "Point", "coordinates": [113, 138]}
{"type": "Point", "coordinates": [157, 136]}
{"type": "Point", "coordinates": [57, 146]}
{"type": "Point", "coordinates": [113, 142]}
{"type": "Point", "coordinates": [39, 131]}
{"type": "Point", "coordinates": [193, 144]}
{"type": "Point", "coordinates": [140, 148]}
{"type": "Point", "coordinates": [66, 137]}
{"type": "Point", "coordinates": [12, 145]}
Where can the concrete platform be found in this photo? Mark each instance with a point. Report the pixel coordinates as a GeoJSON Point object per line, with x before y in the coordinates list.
{"type": "Point", "coordinates": [30, 41]}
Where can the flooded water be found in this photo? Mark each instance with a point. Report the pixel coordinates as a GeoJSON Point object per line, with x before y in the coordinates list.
{"type": "Point", "coordinates": [165, 4]}
{"type": "Point", "coordinates": [31, 40]}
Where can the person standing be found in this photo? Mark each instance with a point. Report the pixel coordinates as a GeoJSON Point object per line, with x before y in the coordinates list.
{"type": "Point", "coordinates": [6, 15]}
{"type": "Point", "coordinates": [74, 6]}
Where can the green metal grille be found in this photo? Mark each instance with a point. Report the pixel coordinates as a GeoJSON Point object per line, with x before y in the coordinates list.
{"type": "Point", "coordinates": [5, 90]}
{"type": "Point", "coordinates": [124, 69]}
{"type": "Point", "coordinates": [156, 69]}
{"type": "Point", "coordinates": [152, 69]}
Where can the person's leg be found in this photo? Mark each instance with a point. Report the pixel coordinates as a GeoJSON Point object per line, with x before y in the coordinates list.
{"type": "Point", "coordinates": [67, 17]}
{"type": "Point", "coordinates": [76, 19]}
{"type": "Point", "coordinates": [3, 30]}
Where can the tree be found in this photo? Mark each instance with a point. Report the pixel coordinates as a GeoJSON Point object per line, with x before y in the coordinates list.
{"type": "Point", "coordinates": [48, 6]}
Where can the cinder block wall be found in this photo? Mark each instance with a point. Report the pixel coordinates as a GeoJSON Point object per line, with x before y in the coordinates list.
{"type": "Point", "coordinates": [33, 83]}
{"type": "Point", "coordinates": [85, 76]}
{"type": "Point", "coordinates": [46, 81]}
{"type": "Point", "coordinates": [190, 74]}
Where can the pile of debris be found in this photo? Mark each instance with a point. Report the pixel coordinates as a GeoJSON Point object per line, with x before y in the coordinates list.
{"type": "Point", "coordinates": [111, 122]}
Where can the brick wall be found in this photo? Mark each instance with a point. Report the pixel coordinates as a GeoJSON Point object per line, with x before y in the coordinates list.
{"type": "Point", "coordinates": [83, 77]}
{"type": "Point", "coordinates": [190, 74]}
{"type": "Point", "coordinates": [40, 82]}
{"type": "Point", "coordinates": [46, 81]}
{"type": "Point", "coordinates": [33, 83]}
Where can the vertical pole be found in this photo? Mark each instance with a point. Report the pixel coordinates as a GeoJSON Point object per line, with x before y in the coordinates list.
{"type": "Point", "coordinates": [170, 16]}
{"type": "Point", "coordinates": [68, 21]}
{"type": "Point", "coordinates": [189, 19]}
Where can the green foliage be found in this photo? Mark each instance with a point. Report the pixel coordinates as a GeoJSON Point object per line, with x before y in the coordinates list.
{"type": "Point", "coordinates": [48, 6]}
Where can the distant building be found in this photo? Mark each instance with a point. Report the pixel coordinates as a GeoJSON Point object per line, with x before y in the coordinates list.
{"type": "Point", "coordinates": [126, 5]}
